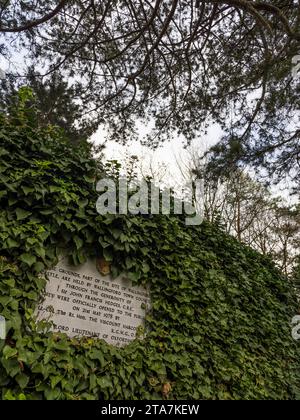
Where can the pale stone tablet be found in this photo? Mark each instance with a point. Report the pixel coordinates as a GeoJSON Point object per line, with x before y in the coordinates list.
{"type": "Point", "coordinates": [82, 302]}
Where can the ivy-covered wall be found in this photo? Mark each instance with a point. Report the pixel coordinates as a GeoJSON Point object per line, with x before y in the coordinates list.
{"type": "Point", "coordinates": [220, 322]}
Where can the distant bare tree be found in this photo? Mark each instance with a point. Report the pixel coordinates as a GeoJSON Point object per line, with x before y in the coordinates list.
{"type": "Point", "coordinates": [246, 209]}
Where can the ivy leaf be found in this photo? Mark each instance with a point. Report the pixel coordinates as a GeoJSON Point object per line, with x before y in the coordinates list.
{"type": "Point", "coordinates": [145, 267]}
{"type": "Point", "coordinates": [10, 282]}
{"type": "Point", "coordinates": [52, 394]}
{"type": "Point", "coordinates": [54, 188]}
{"type": "Point", "coordinates": [27, 190]}
{"type": "Point", "coordinates": [9, 396]}
{"type": "Point", "coordinates": [11, 243]}
{"type": "Point", "coordinates": [78, 242]}
{"type": "Point", "coordinates": [28, 259]}
{"type": "Point", "coordinates": [38, 267]}
{"type": "Point", "coordinates": [104, 382]}
{"type": "Point", "coordinates": [22, 380]}
{"type": "Point", "coordinates": [97, 355]}
{"type": "Point", "coordinates": [9, 352]}
{"type": "Point", "coordinates": [55, 380]}
{"type": "Point", "coordinates": [107, 254]}
{"type": "Point", "coordinates": [22, 214]}
{"type": "Point", "coordinates": [93, 381]}
{"type": "Point", "coordinates": [88, 179]}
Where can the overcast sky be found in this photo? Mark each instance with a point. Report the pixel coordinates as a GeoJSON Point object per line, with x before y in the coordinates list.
{"type": "Point", "coordinates": [165, 160]}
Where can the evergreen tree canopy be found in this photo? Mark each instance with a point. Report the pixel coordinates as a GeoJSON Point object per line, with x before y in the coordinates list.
{"type": "Point", "coordinates": [57, 103]}
{"type": "Point", "coordinates": [180, 63]}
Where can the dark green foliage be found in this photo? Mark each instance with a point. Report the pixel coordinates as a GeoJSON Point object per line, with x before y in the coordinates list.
{"type": "Point", "coordinates": [220, 322]}
{"type": "Point", "coordinates": [56, 102]}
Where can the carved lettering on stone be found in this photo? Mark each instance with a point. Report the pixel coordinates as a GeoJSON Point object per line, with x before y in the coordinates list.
{"type": "Point", "coordinates": [82, 302]}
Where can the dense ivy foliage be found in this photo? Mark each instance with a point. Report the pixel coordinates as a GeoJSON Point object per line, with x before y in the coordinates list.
{"type": "Point", "coordinates": [220, 322]}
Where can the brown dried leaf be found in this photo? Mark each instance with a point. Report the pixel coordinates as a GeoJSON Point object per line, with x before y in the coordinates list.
{"type": "Point", "coordinates": [166, 389]}
{"type": "Point", "coordinates": [103, 266]}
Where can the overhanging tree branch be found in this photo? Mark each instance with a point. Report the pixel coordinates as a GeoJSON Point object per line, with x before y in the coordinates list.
{"type": "Point", "coordinates": [37, 22]}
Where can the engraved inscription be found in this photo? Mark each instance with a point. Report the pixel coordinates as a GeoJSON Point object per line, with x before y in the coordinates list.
{"type": "Point", "coordinates": [82, 302]}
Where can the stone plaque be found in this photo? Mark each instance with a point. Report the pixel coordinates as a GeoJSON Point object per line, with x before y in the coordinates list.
{"type": "Point", "coordinates": [2, 328]}
{"type": "Point", "coordinates": [82, 302]}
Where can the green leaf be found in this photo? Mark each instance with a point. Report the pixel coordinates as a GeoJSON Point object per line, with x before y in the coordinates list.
{"type": "Point", "coordinates": [38, 267]}
{"type": "Point", "coordinates": [54, 188]}
{"type": "Point", "coordinates": [10, 282]}
{"type": "Point", "coordinates": [11, 243]}
{"type": "Point", "coordinates": [55, 380]}
{"type": "Point", "coordinates": [97, 355]}
{"type": "Point", "coordinates": [22, 380]}
{"type": "Point", "coordinates": [9, 352]}
{"type": "Point", "coordinates": [145, 267]}
{"type": "Point", "coordinates": [104, 382]}
{"type": "Point", "coordinates": [22, 214]}
{"type": "Point", "coordinates": [28, 259]}
{"type": "Point", "coordinates": [78, 242]}
{"type": "Point", "coordinates": [108, 255]}
{"type": "Point", "coordinates": [89, 179]}
{"type": "Point", "coordinates": [9, 396]}
{"type": "Point", "coordinates": [47, 212]}
{"type": "Point", "coordinates": [52, 394]}
{"type": "Point", "coordinates": [93, 381]}
{"type": "Point", "coordinates": [27, 190]}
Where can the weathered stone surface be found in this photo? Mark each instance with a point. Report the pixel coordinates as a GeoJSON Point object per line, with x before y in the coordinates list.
{"type": "Point", "coordinates": [82, 302]}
